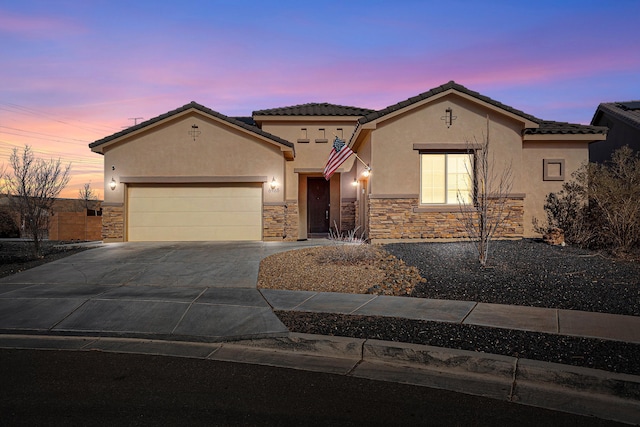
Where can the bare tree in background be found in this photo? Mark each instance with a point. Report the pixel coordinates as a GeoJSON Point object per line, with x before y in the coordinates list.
{"type": "Point", "coordinates": [488, 211]}
{"type": "Point", "coordinates": [33, 185]}
{"type": "Point", "coordinates": [86, 195]}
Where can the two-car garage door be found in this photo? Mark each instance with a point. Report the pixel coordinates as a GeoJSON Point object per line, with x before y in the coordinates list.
{"type": "Point", "coordinates": [194, 213]}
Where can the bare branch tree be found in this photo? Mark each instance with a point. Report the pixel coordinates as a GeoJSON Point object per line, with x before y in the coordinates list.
{"type": "Point", "coordinates": [33, 184]}
{"type": "Point", "coordinates": [488, 211]}
{"type": "Point", "coordinates": [86, 195]}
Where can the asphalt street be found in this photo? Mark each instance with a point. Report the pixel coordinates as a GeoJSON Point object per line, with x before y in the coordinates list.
{"type": "Point", "coordinates": [53, 387]}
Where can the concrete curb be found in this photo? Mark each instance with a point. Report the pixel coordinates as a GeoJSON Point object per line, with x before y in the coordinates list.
{"type": "Point", "coordinates": [577, 390]}
{"type": "Point", "coordinates": [581, 391]}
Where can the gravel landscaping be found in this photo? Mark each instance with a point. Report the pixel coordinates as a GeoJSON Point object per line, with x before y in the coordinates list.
{"type": "Point", "coordinates": [524, 272]}
{"type": "Point", "coordinates": [15, 255]}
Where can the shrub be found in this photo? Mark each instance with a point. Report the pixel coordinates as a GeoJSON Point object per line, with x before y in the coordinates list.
{"type": "Point", "coordinates": [348, 249]}
{"type": "Point", "coordinates": [614, 199]}
{"type": "Point", "coordinates": [8, 226]}
{"type": "Point", "coordinates": [600, 207]}
{"type": "Point", "coordinates": [567, 210]}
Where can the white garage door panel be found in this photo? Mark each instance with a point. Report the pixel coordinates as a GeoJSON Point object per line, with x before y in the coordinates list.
{"type": "Point", "coordinates": [195, 219]}
{"type": "Point", "coordinates": [194, 213]}
{"type": "Point", "coordinates": [226, 204]}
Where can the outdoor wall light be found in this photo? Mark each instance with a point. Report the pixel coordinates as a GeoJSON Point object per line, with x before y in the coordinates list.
{"type": "Point", "coordinates": [355, 182]}
{"type": "Point", "coordinates": [366, 172]}
{"type": "Point", "coordinates": [112, 184]}
{"type": "Point", "coordinates": [448, 117]}
{"type": "Point", "coordinates": [274, 183]}
{"type": "Point", "coordinates": [194, 132]}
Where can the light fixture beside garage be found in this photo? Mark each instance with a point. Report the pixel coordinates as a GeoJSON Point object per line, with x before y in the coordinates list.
{"type": "Point", "coordinates": [113, 183]}
{"type": "Point", "coordinates": [273, 186]}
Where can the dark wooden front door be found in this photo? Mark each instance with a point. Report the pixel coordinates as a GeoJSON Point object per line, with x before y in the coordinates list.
{"type": "Point", "coordinates": [318, 205]}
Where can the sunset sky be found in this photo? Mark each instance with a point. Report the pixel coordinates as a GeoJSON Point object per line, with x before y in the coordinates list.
{"type": "Point", "coordinates": [74, 71]}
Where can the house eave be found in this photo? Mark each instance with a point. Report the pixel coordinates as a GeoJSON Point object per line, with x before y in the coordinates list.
{"type": "Point", "coordinates": [564, 137]}
{"type": "Point", "coordinates": [99, 146]}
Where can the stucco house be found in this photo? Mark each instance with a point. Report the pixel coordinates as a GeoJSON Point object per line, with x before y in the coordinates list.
{"type": "Point", "coordinates": [623, 121]}
{"type": "Point", "coordinates": [196, 174]}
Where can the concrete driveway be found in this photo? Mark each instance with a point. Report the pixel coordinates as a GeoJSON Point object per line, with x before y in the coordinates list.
{"type": "Point", "coordinates": [202, 291]}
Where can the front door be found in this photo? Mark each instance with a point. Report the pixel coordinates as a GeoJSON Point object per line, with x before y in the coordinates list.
{"type": "Point", "coordinates": [318, 205]}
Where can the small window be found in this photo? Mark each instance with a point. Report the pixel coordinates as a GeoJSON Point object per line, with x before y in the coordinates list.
{"type": "Point", "coordinates": [444, 177]}
{"type": "Point", "coordinates": [340, 133]}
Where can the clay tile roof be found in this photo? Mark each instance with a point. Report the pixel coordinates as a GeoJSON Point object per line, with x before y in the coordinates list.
{"type": "Point", "coordinates": [235, 121]}
{"type": "Point", "coordinates": [548, 127]}
{"type": "Point", "coordinates": [440, 89]}
{"type": "Point", "coordinates": [626, 111]}
{"type": "Point", "coordinates": [314, 109]}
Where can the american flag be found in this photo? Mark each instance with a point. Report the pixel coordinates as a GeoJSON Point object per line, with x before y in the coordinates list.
{"type": "Point", "coordinates": [339, 153]}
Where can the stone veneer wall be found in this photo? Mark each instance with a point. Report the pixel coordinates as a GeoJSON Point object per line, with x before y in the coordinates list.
{"type": "Point", "coordinates": [347, 215]}
{"type": "Point", "coordinates": [291, 223]}
{"type": "Point", "coordinates": [396, 218]}
{"type": "Point", "coordinates": [112, 222]}
{"type": "Point", "coordinates": [280, 221]}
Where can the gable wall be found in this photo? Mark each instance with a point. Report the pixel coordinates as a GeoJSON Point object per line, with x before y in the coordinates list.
{"type": "Point", "coordinates": [311, 154]}
{"type": "Point", "coordinates": [397, 165]}
{"type": "Point", "coordinates": [169, 151]}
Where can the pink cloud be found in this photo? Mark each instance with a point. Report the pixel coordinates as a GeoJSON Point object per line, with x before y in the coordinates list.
{"type": "Point", "coordinates": [36, 26]}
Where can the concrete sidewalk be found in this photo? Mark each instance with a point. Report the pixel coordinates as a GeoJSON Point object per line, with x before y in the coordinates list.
{"type": "Point", "coordinates": [535, 319]}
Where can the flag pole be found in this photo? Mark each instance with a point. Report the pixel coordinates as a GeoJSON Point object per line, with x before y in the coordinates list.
{"type": "Point", "coordinates": [357, 157]}
{"type": "Point", "coordinates": [362, 161]}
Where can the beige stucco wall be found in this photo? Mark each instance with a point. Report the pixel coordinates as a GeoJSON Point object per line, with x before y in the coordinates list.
{"type": "Point", "coordinates": [310, 155]}
{"type": "Point", "coordinates": [310, 159]}
{"type": "Point", "coordinates": [396, 164]}
{"type": "Point", "coordinates": [536, 188]}
{"type": "Point", "coordinates": [168, 150]}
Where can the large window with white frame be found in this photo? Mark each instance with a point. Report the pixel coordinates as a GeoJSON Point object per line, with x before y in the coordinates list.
{"type": "Point", "coordinates": [446, 178]}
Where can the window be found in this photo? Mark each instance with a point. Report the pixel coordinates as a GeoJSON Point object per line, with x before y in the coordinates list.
{"type": "Point", "coordinates": [445, 175]}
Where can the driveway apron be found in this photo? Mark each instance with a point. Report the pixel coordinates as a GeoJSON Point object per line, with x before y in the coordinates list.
{"type": "Point", "coordinates": [203, 291]}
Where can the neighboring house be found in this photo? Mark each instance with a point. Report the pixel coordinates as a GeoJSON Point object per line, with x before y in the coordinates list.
{"type": "Point", "coordinates": [195, 174]}
{"type": "Point", "coordinates": [623, 121]}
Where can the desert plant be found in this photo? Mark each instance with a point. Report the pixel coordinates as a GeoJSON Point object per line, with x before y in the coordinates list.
{"type": "Point", "coordinates": [487, 213]}
{"type": "Point", "coordinates": [568, 211]}
{"type": "Point", "coordinates": [86, 195]}
{"type": "Point", "coordinates": [600, 206]}
{"type": "Point", "coordinates": [348, 248]}
{"type": "Point", "coordinates": [614, 199]}
{"type": "Point", "coordinates": [8, 226]}
{"type": "Point", "coordinates": [351, 236]}
{"type": "Point", "coordinates": [33, 184]}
